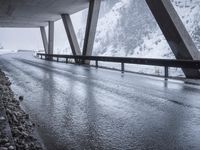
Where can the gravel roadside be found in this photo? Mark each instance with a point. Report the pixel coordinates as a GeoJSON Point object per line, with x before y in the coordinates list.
{"type": "Point", "coordinates": [22, 129]}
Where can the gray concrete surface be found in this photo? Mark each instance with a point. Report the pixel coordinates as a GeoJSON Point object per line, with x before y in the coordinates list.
{"type": "Point", "coordinates": [36, 13]}
{"type": "Point", "coordinates": [86, 108]}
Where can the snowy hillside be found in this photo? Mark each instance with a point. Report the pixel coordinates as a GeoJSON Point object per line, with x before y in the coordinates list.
{"type": "Point", "coordinates": [127, 28]}
{"type": "Point", "coordinates": [121, 29]}
{"type": "Point", "coordinates": [189, 11]}
{"type": "Point", "coordinates": [155, 45]}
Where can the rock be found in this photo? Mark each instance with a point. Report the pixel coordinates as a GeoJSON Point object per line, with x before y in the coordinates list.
{"type": "Point", "coordinates": [7, 145]}
{"type": "Point", "coordinates": [21, 127]}
{"type": "Point", "coordinates": [2, 118]}
{"type": "Point", "coordinates": [11, 148]}
{"type": "Point", "coordinates": [21, 98]}
{"type": "Point", "coordinates": [8, 83]}
{"type": "Point", "coordinates": [25, 135]}
{"type": "Point", "coordinates": [3, 148]}
{"type": "Point", "coordinates": [3, 141]}
{"type": "Point", "coordinates": [8, 111]}
{"type": "Point", "coordinates": [27, 116]}
{"type": "Point", "coordinates": [14, 118]}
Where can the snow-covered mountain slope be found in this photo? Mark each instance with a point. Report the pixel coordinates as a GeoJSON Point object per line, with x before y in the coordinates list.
{"type": "Point", "coordinates": [122, 27]}
{"type": "Point", "coordinates": [127, 28]}
{"type": "Point", "coordinates": [189, 12]}
{"type": "Point", "coordinates": [156, 45]}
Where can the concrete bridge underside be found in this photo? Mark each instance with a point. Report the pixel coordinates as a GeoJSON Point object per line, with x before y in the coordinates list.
{"type": "Point", "coordinates": [39, 14]}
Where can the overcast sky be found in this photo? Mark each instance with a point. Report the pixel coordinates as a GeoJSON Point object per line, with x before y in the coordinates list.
{"type": "Point", "coordinates": [30, 38]}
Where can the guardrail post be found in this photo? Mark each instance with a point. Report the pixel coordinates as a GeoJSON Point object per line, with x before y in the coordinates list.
{"type": "Point", "coordinates": [166, 72]}
{"type": "Point", "coordinates": [46, 57]}
{"type": "Point", "coordinates": [165, 63]}
{"type": "Point", "coordinates": [122, 67]}
{"type": "Point", "coordinates": [77, 60]}
{"type": "Point", "coordinates": [96, 63]}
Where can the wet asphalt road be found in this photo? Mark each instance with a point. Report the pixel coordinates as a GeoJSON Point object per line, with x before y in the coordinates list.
{"type": "Point", "coordinates": [86, 108]}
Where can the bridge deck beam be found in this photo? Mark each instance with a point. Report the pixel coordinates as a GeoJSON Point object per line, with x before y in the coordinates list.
{"type": "Point", "coordinates": [175, 33]}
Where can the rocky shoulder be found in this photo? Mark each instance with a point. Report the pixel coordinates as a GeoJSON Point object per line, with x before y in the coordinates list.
{"type": "Point", "coordinates": [21, 128]}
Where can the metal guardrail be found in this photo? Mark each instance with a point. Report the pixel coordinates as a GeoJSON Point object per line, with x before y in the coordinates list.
{"type": "Point", "coordinates": [166, 63]}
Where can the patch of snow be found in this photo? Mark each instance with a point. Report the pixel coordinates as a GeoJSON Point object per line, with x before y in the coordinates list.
{"type": "Point", "coordinates": [7, 51]}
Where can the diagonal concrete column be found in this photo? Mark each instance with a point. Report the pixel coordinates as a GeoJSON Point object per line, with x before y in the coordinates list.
{"type": "Point", "coordinates": [93, 14]}
{"type": "Point", "coordinates": [51, 37]}
{"type": "Point", "coordinates": [71, 34]}
{"type": "Point", "coordinates": [175, 33]}
{"type": "Point", "coordinates": [44, 39]}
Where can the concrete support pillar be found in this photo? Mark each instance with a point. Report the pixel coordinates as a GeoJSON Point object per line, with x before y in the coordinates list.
{"type": "Point", "coordinates": [51, 37]}
{"type": "Point", "coordinates": [93, 14]}
{"type": "Point", "coordinates": [44, 39]}
{"type": "Point", "coordinates": [175, 33]}
{"type": "Point", "coordinates": [71, 34]}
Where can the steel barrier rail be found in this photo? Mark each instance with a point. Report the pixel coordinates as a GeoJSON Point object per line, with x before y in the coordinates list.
{"type": "Point", "coordinates": [166, 63]}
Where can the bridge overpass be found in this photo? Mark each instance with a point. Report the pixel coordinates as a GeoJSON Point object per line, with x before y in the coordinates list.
{"type": "Point", "coordinates": [79, 107]}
